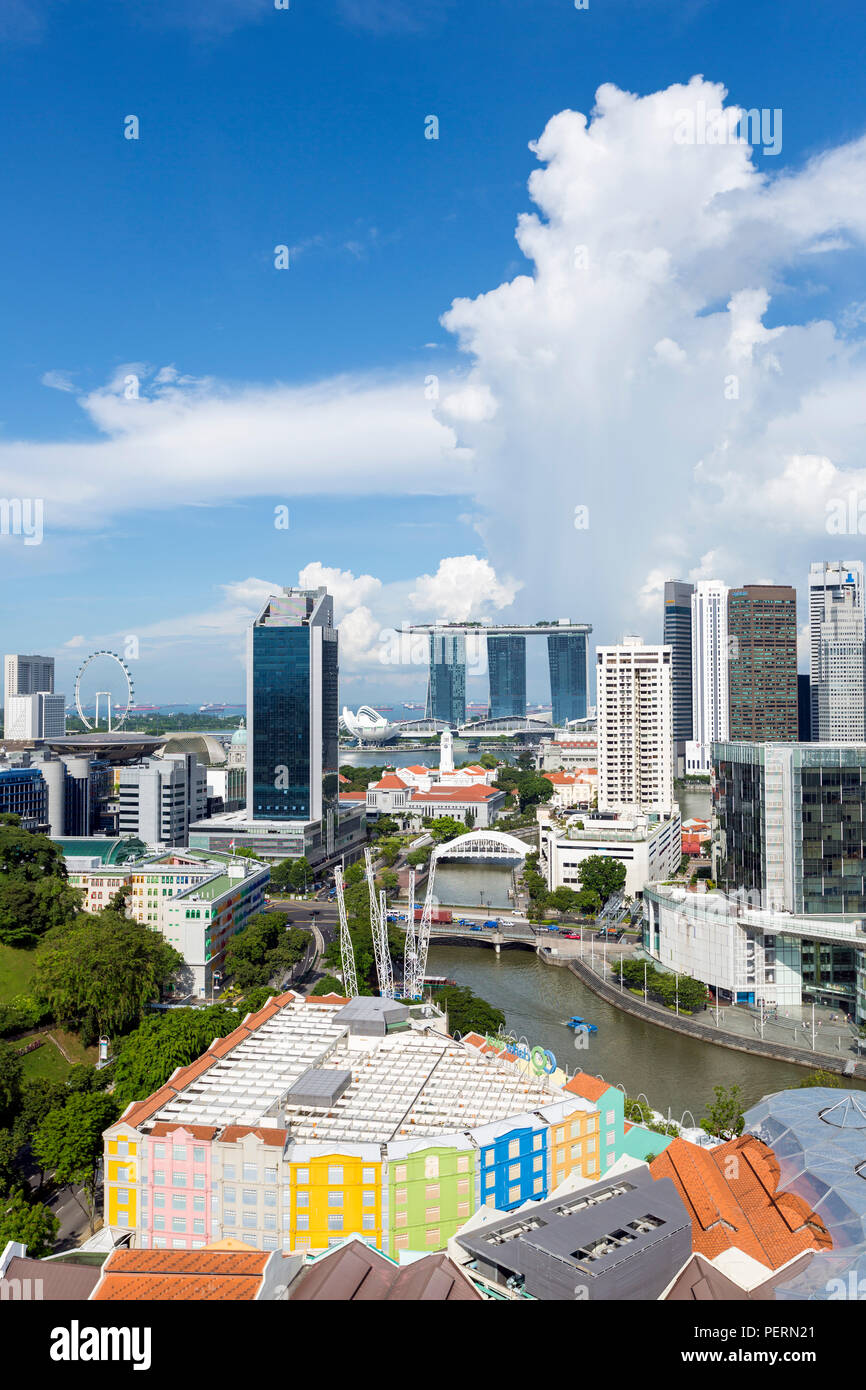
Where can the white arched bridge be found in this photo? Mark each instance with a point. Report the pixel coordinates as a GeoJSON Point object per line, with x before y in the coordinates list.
{"type": "Point", "coordinates": [482, 844]}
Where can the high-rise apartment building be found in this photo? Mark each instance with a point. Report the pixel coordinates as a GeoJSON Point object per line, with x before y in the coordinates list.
{"type": "Point", "coordinates": [832, 583]}
{"type": "Point", "coordinates": [762, 665]}
{"type": "Point", "coordinates": [710, 699]}
{"type": "Point", "coordinates": [292, 709]}
{"type": "Point", "coordinates": [446, 691]}
{"type": "Point", "coordinates": [160, 798]}
{"type": "Point", "coordinates": [27, 675]}
{"type": "Point", "coordinates": [36, 716]}
{"type": "Point", "coordinates": [635, 728]}
{"type": "Point", "coordinates": [506, 665]}
{"type": "Point", "coordinates": [677, 635]}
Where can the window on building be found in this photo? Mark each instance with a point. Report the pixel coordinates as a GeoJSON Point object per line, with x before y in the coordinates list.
{"type": "Point", "coordinates": [251, 1197]}
{"type": "Point", "coordinates": [178, 1179]}
{"type": "Point", "coordinates": [335, 1199]}
{"type": "Point", "coordinates": [432, 1238]}
{"type": "Point", "coordinates": [463, 1163]}
{"type": "Point", "coordinates": [431, 1190]}
{"type": "Point", "coordinates": [249, 1220]}
{"type": "Point", "coordinates": [159, 1150]}
{"type": "Point", "coordinates": [514, 1148]}
{"type": "Point", "coordinates": [178, 1223]}
{"type": "Point", "coordinates": [197, 1155]}
{"type": "Point", "coordinates": [178, 1203]}
{"type": "Point", "coordinates": [302, 1199]}
{"type": "Point", "coordinates": [431, 1214]}
{"type": "Point", "coordinates": [368, 1221]}
{"type": "Point", "coordinates": [335, 1177]}
{"type": "Point", "coordinates": [538, 1185]}
{"type": "Point", "coordinates": [270, 1221]}
{"type": "Point", "coordinates": [514, 1172]}
{"type": "Point", "coordinates": [198, 1227]}
{"type": "Point", "coordinates": [400, 1197]}
{"type": "Point", "coordinates": [335, 1223]}
{"type": "Point", "coordinates": [179, 1153]}
{"type": "Point", "coordinates": [401, 1242]}
{"type": "Point", "coordinates": [228, 1194]}
{"type": "Point", "coordinates": [229, 1171]}
{"type": "Point", "coordinates": [229, 1216]}
{"type": "Point", "coordinates": [302, 1222]}
{"type": "Point", "coordinates": [122, 1196]}
{"type": "Point", "coordinates": [302, 1175]}
{"type": "Point", "coordinates": [122, 1148]}
{"type": "Point", "coordinates": [198, 1179]}
{"type": "Point", "coordinates": [159, 1199]}
{"type": "Point", "coordinates": [270, 1196]}
{"type": "Point", "coordinates": [251, 1172]}
{"type": "Point", "coordinates": [514, 1194]}
{"type": "Point", "coordinates": [159, 1177]}
{"type": "Point", "coordinates": [270, 1175]}
{"type": "Point", "coordinates": [368, 1175]}
{"type": "Point", "coordinates": [369, 1199]}
{"type": "Point", "coordinates": [198, 1203]}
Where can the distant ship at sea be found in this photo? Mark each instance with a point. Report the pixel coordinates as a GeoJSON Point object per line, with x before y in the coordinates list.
{"type": "Point", "coordinates": [216, 709]}
{"type": "Point", "coordinates": [408, 706]}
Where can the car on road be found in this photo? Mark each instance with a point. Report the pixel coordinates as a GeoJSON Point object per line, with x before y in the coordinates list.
{"type": "Point", "coordinates": [571, 935]}
{"type": "Point", "coordinates": [475, 928]}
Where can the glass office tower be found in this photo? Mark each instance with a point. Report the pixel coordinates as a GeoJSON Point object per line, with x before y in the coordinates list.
{"type": "Point", "coordinates": [292, 708]}
{"type": "Point", "coordinates": [567, 657]}
{"type": "Point", "coordinates": [506, 664]}
{"type": "Point", "coordinates": [762, 663]}
{"type": "Point", "coordinates": [678, 636]}
{"type": "Point", "coordinates": [446, 691]}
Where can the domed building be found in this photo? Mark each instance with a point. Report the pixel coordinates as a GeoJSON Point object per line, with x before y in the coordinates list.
{"type": "Point", "coordinates": [238, 750]}
{"type": "Point", "coordinates": [369, 726]}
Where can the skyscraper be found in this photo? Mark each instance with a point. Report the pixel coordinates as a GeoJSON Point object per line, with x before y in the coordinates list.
{"type": "Point", "coordinates": [840, 688]}
{"type": "Point", "coordinates": [677, 635]}
{"type": "Point", "coordinates": [567, 656]}
{"type": "Point", "coordinates": [836, 585]}
{"type": "Point", "coordinates": [506, 665]}
{"type": "Point", "coordinates": [27, 675]}
{"type": "Point", "coordinates": [292, 708]}
{"type": "Point", "coordinates": [446, 691]}
{"type": "Point", "coordinates": [710, 701]}
{"type": "Point", "coordinates": [762, 666]}
{"type": "Point", "coordinates": [635, 728]}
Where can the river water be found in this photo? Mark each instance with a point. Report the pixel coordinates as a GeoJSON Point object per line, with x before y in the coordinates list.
{"type": "Point", "coordinates": [668, 1068]}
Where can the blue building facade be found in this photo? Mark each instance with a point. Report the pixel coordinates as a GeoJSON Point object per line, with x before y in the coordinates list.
{"type": "Point", "coordinates": [446, 694]}
{"type": "Point", "coordinates": [23, 793]}
{"type": "Point", "coordinates": [506, 665]}
{"type": "Point", "coordinates": [568, 661]}
{"type": "Point", "coordinates": [513, 1168]}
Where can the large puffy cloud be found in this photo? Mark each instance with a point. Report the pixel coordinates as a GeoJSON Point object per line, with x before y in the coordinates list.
{"type": "Point", "coordinates": [634, 373]}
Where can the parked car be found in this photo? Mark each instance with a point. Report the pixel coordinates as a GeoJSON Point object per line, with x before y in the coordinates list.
{"type": "Point", "coordinates": [475, 928]}
{"type": "Point", "coordinates": [572, 935]}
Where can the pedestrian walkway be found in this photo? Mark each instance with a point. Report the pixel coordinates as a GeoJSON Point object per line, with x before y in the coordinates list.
{"type": "Point", "coordinates": [808, 1028]}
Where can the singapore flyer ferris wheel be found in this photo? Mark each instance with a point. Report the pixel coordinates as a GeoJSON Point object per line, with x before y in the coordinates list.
{"type": "Point", "coordinates": [122, 708]}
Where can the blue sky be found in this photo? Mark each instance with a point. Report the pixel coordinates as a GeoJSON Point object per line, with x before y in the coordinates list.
{"type": "Point", "coordinates": [305, 127]}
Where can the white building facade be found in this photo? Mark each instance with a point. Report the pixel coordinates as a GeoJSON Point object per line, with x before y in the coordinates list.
{"type": "Point", "coordinates": [834, 586]}
{"type": "Point", "coordinates": [649, 850]}
{"type": "Point", "coordinates": [635, 729]}
{"type": "Point", "coordinates": [710, 654]}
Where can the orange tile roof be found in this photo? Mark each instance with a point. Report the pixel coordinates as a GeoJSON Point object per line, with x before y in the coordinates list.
{"type": "Point", "coordinates": [141, 1110]}
{"type": "Point", "coordinates": [328, 999]}
{"type": "Point", "coordinates": [731, 1195]}
{"type": "Point", "coordinates": [275, 1137]}
{"type": "Point", "coordinates": [590, 1087]}
{"type": "Point", "coordinates": [220, 1046]}
{"type": "Point", "coordinates": [472, 793]}
{"type": "Point", "coordinates": [185, 1275]}
{"type": "Point", "coordinates": [184, 1075]}
{"type": "Point", "coordinates": [390, 783]}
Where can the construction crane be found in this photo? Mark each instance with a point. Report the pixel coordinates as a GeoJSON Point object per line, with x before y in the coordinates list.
{"type": "Point", "coordinates": [379, 929]}
{"type": "Point", "coordinates": [423, 938]}
{"type": "Point", "coordinates": [410, 955]}
{"type": "Point", "coordinates": [347, 953]}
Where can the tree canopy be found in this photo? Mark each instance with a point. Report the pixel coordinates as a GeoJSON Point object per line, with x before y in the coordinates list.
{"type": "Point", "coordinates": [98, 973]}
{"type": "Point", "coordinates": [31, 1224]}
{"type": "Point", "coordinates": [467, 1013]}
{"type": "Point", "coordinates": [724, 1118]}
{"type": "Point", "coordinates": [69, 1141]}
{"type": "Point", "coordinates": [148, 1056]}
{"type": "Point", "coordinates": [34, 893]}
{"type": "Point", "coordinates": [267, 946]}
{"type": "Point", "coordinates": [601, 875]}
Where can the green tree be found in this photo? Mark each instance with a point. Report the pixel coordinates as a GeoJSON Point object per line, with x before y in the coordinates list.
{"type": "Point", "coordinates": [445, 828]}
{"type": "Point", "coordinates": [354, 874]}
{"type": "Point", "coordinates": [31, 1224]}
{"type": "Point", "coordinates": [724, 1118]}
{"type": "Point", "coordinates": [602, 876]}
{"type": "Point", "coordinates": [384, 826]}
{"type": "Point", "coordinates": [389, 880]}
{"type": "Point", "coordinates": [416, 857]}
{"type": "Point", "coordinates": [165, 1041]}
{"type": "Point", "coordinates": [38, 1098]}
{"type": "Point", "coordinates": [329, 984]}
{"type": "Point", "coordinates": [388, 850]}
{"type": "Point", "coordinates": [820, 1078]}
{"type": "Point", "coordinates": [588, 903]}
{"type": "Point", "coordinates": [69, 1142]}
{"type": "Point", "coordinates": [300, 874]}
{"type": "Point", "coordinates": [489, 760]}
{"type": "Point", "coordinates": [467, 1012]}
{"type": "Point", "coordinates": [31, 907]}
{"type": "Point", "coordinates": [563, 899]}
{"type": "Point", "coordinates": [11, 1068]}
{"type": "Point", "coordinates": [98, 973]}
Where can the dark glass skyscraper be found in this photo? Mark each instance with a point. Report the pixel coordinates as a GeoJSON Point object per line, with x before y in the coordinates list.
{"type": "Point", "coordinates": [292, 708]}
{"type": "Point", "coordinates": [506, 665]}
{"type": "Point", "coordinates": [762, 662]}
{"type": "Point", "coordinates": [446, 693]}
{"type": "Point", "coordinates": [678, 636]}
{"type": "Point", "coordinates": [567, 656]}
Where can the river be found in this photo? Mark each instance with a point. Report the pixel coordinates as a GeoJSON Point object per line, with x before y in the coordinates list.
{"type": "Point", "coordinates": [668, 1068]}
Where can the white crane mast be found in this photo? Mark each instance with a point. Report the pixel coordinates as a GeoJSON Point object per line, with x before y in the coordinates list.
{"type": "Point", "coordinates": [347, 953]}
{"type": "Point", "coordinates": [410, 956]}
{"type": "Point", "coordinates": [423, 939]}
{"type": "Point", "coordinates": [379, 930]}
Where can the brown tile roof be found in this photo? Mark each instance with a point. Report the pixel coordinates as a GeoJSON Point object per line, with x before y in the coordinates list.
{"type": "Point", "coordinates": [143, 1109]}
{"type": "Point", "coordinates": [185, 1275]}
{"type": "Point", "coordinates": [699, 1281]}
{"type": "Point", "coordinates": [220, 1046]}
{"type": "Point", "coordinates": [184, 1075]}
{"type": "Point", "coordinates": [60, 1279]}
{"type": "Point", "coordinates": [275, 1137]}
{"type": "Point", "coordinates": [356, 1273]}
{"type": "Point", "coordinates": [590, 1087]}
{"type": "Point", "coordinates": [730, 1194]}
{"type": "Point", "coordinates": [196, 1131]}
{"type": "Point", "coordinates": [328, 999]}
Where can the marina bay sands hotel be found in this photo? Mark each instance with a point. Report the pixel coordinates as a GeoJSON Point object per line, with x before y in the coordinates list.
{"type": "Point", "coordinates": [567, 654]}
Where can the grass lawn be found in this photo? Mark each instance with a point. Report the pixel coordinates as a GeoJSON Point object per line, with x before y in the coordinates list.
{"type": "Point", "coordinates": [16, 970]}
{"type": "Point", "coordinates": [46, 1061]}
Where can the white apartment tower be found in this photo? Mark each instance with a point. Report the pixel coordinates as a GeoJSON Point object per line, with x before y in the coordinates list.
{"type": "Point", "coordinates": [635, 728]}
{"type": "Point", "coordinates": [710, 707]}
{"type": "Point", "coordinates": [836, 651]}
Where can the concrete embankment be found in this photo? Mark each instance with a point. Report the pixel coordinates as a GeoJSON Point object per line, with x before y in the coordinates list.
{"type": "Point", "coordinates": [706, 1032]}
